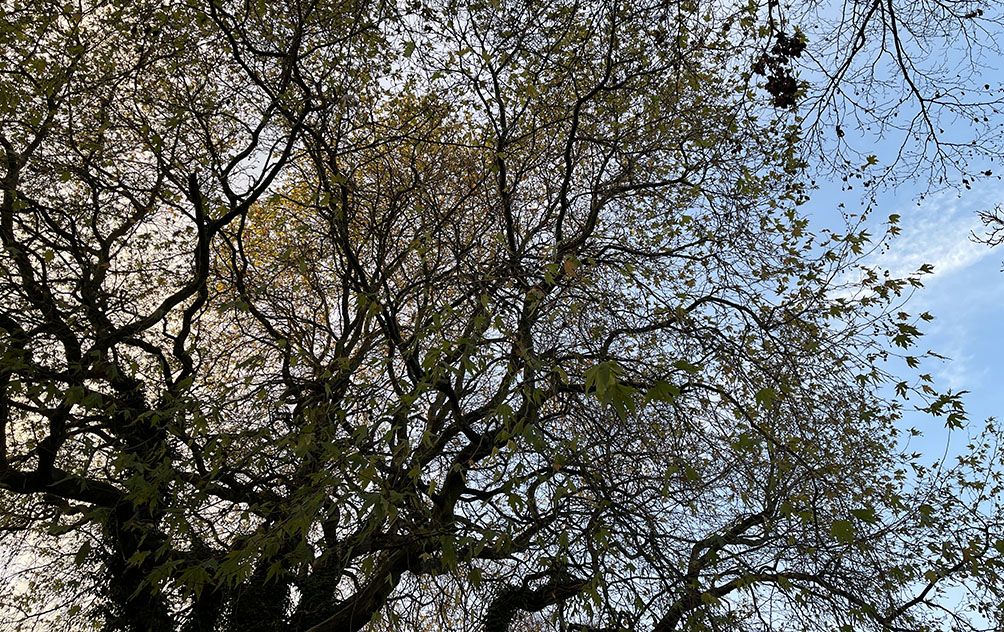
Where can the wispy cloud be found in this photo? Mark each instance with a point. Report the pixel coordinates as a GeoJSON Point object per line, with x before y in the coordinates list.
{"type": "Point", "coordinates": [962, 293]}
{"type": "Point", "coordinates": [938, 232]}
{"type": "Point", "coordinates": [960, 371]}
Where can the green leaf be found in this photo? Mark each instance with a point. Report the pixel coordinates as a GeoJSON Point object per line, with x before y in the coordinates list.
{"type": "Point", "coordinates": [843, 531]}
{"type": "Point", "coordinates": [602, 380]}
{"type": "Point", "coordinates": [865, 515]}
{"type": "Point", "coordinates": [92, 401]}
{"type": "Point", "coordinates": [601, 377]}
{"type": "Point", "coordinates": [82, 553]}
{"type": "Point", "coordinates": [683, 365]}
{"type": "Point", "coordinates": [745, 442]}
{"type": "Point", "coordinates": [690, 473]}
{"type": "Point", "coordinates": [766, 397]}
{"type": "Point", "coordinates": [474, 576]}
{"type": "Point", "coordinates": [74, 394]}
{"type": "Point", "coordinates": [662, 392]}
{"type": "Point", "coordinates": [621, 399]}
{"type": "Point", "coordinates": [449, 555]}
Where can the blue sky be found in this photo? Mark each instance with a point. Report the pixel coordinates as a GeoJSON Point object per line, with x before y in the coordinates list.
{"type": "Point", "coordinates": [965, 293]}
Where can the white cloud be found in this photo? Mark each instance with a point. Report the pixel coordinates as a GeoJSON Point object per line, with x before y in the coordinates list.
{"type": "Point", "coordinates": [966, 290]}
{"type": "Point", "coordinates": [959, 371]}
{"type": "Point", "coordinates": [938, 232]}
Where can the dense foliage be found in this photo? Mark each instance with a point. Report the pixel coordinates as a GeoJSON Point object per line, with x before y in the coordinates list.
{"type": "Point", "coordinates": [503, 316]}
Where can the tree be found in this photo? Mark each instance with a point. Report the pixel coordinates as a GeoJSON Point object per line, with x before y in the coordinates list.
{"type": "Point", "coordinates": [422, 316]}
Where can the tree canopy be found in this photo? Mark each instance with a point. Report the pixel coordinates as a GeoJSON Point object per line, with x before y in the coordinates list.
{"type": "Point", "coordinates": [502, 316]}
